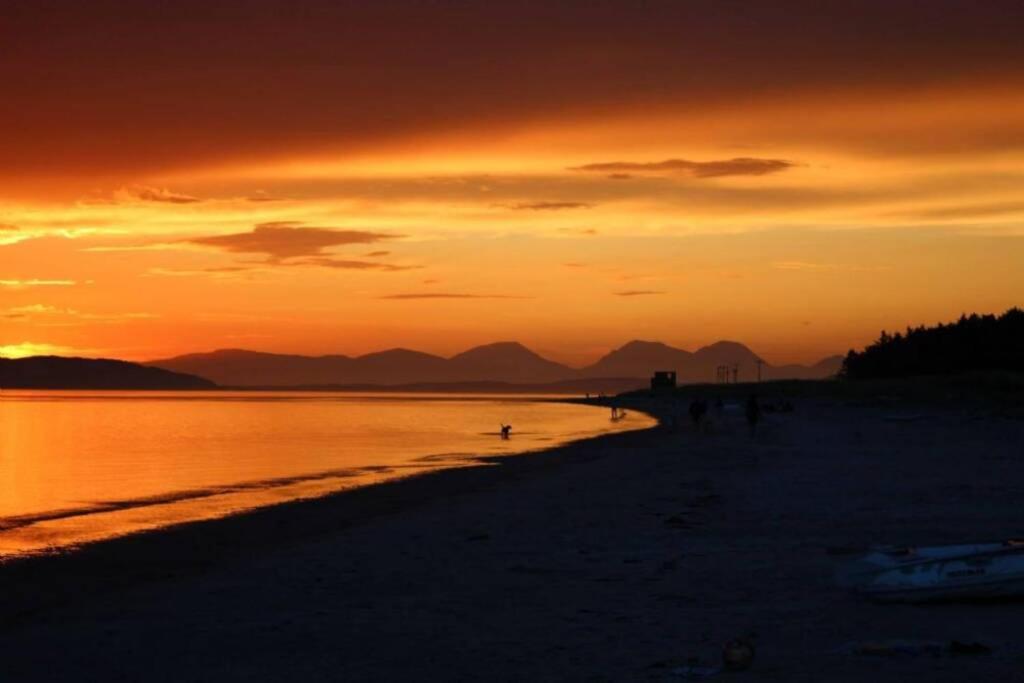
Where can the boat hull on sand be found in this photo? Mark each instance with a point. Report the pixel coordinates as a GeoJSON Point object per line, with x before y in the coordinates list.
{"type": "Point", "coordinates": [958, 572]}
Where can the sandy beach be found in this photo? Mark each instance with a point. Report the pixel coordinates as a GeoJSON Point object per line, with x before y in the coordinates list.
{"type": "Point", "coordinates": [618, 558]}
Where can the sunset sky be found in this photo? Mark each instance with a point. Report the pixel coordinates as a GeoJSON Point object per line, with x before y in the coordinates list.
{"type": "Point", "coordinates": [343, 177]}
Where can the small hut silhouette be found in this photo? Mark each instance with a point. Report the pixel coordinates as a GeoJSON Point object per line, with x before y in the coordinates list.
{"type": "Point", "coordinates": [663, 380]}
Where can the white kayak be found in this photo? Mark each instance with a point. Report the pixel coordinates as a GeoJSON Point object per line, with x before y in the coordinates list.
{"type": "Point", "coordinates": [949, 572]}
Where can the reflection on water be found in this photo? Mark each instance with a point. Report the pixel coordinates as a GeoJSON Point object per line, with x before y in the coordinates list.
{"type": "Point", "coordinates": [80, 466]}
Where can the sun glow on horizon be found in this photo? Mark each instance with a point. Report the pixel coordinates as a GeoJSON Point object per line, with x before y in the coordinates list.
{"type": "Point", "coordinates": [29, 349]}
{"type": "Point", "coordinates": [799, 201]}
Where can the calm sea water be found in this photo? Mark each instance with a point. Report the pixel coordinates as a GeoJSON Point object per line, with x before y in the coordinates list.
{"type": "Point", "coordinates": [82, 466]}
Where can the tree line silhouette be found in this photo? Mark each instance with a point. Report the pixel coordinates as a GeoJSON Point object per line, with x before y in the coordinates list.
{"type": "Point", "coordinates": [973, 343]}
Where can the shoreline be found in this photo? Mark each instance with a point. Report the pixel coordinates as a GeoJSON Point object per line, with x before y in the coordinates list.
{"type": "Point", "coordinates": [621, 557]}
{"type": "Point", "coordinates": [51, 578]}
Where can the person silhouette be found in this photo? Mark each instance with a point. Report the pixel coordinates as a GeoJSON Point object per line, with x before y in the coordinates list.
{"type": "Point", "coordinates": [505, 430]}
{"type": "Point", "coordinates": [753, 413]}
{"type": "Point", "coordinates": [698, 408]}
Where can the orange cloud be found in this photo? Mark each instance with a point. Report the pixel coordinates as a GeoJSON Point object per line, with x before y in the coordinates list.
{"type": "Point", "coordinates": [218, 270]}
{"type": "Point", "coordinates": [54, 313]}
{"type": "Point", "coordinates": [11, 234]}
{"type": "Point", "coordinates": [954, 212]}
{"type": "Point", "coordinates": [154, 194]}
{"type": "Point", "coordinates": [740, 166]}
{"type": "Point", "coordinates": [639, 292]}
{"type": "Point", "coordinates": [609, 58]}
{"type": "Point", "coordinates": [548, 206]}
{"type": "Point", "coordinates": [33, 282]}
{"type": "Point", "coordinates": [288, 240]}
{"type": "Point", "coordinates": [348, 264]}
{"type": "Point", "coordinates": [260, 196]}
{"type": "Point", "coordinates": [449, 295]}
{"type": "Point", "coordinates": [820, 267]}
{"type": "Point", "coordinates": [749, 148]}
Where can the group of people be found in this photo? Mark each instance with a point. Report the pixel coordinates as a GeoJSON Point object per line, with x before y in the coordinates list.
{"type": "Point", "coordinates": [752, 410]}
{"type": "Point", "coordinates": [698, 410]}
{"type": "Point", "coordinates": [783, 406]}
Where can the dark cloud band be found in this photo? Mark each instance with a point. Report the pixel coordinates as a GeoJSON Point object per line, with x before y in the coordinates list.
{"type": "Point", "coordinates": [740, 166]}
{"type": "Point", "coordinates": [284, 240]}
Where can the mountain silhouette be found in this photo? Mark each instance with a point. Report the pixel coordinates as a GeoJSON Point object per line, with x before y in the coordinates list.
{"type": "Point", "coordinates": [372, 367]}
{"type": "Point", "coordinates": [240, 367]}
{"type": "Point", "coordinates": [55, 372]}
{"type": "Point", "coordinates": [826, 367]}
{"type": "Point", "coordinates": [726, 353]}
{"type": "Point", "coordinates": [501, 362]}
{"type": "Point", "coordinates": [507, 362]}
{"type": "Point", "coordinates": [640, 359]}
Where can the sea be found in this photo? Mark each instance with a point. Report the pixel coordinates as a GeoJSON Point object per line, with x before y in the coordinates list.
{"type": "Point", "coordinates": [82, 466]}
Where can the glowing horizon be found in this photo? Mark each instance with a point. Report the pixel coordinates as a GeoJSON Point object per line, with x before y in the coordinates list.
{"type": "Point", "coordinates": [573, 182]}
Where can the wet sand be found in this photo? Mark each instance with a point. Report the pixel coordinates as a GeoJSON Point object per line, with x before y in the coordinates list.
{"type": "Point", "coordinates": [617, 558]}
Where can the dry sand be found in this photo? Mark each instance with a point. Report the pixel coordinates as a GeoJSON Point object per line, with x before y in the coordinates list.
{"type": "Point", "coordinates": [615, 559]}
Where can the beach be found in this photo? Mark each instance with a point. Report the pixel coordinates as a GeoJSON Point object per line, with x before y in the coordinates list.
{"type": "Point", "coordinates": [620, 558]}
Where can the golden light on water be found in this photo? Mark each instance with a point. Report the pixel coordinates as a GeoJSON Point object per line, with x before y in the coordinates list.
{"type": "Point", "coordinates": [81, 466]}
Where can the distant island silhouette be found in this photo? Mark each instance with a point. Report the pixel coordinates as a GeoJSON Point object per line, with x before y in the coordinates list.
{"type": "Point", "coordinates": [502, 363]}
{"type": "Point", "coordinates": [55, 372]}
{"type": "Point", "coordinates": [974, 343]}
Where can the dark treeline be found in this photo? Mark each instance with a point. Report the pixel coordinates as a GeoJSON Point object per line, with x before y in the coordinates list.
{"type": "Point", "coordinates": [973, 343]}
